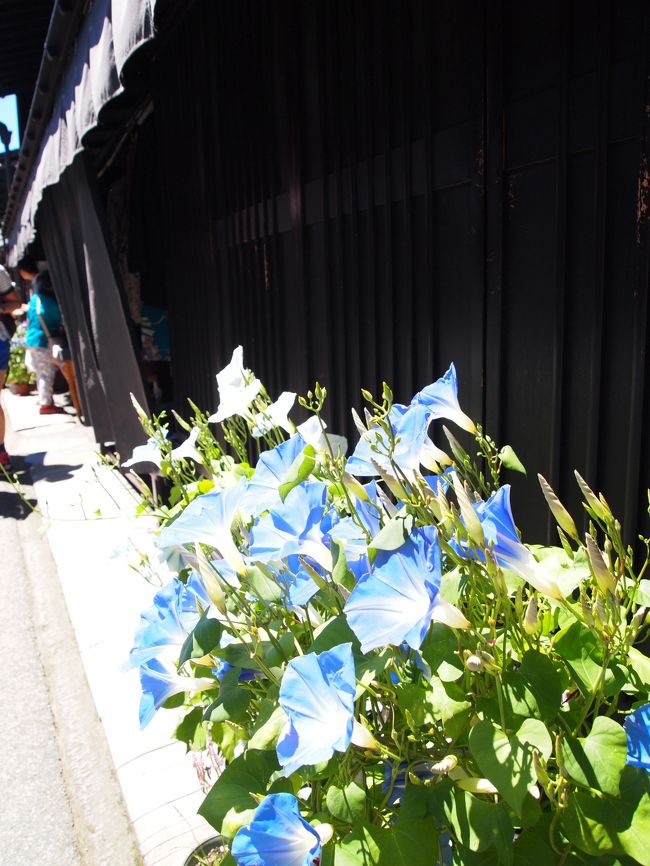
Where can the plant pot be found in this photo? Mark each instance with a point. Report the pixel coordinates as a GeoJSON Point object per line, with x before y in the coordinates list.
{"type": "Point", "coordinates": [21, 389]}
{"type": "Point", "coordinates": [206, 853]}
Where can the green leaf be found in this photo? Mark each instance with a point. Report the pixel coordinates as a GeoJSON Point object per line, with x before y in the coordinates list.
{"type": "Point", "coordinates": [202, 640]}
{"type": "Point", "coordinates": [477, 824]}
{"type": "Point", "coordinates": [267, 734]}
{"type": "Point", "coordinates": [339, 562]}
{"type": "Point", "coordinates": [642, 594]}
{"type": "Point", "coordinates": [568, 572]}
{"type": "Point", "coordinates": [429, 703]}
{"type": "Point", "coordinates": [409, 842]}
{"type": "Point", "coordinates": [639, 671]}
{"type": "Point", "coordinates": [461, 856]}
{"type": "Point", "coordinates": [362, 847]}
{"type": "Point", "coordinates": [440, 651]}
{"type": "Point", "coordinates": [347, 804]}
{"type": "Point", "coordinates": [227, 736]}
{"type": "Point", "coordinates": [598, 760]}
{"type": "Point", "coordinates": [332, 633]}
{"type": "Point", "coordinates": [262, 584]}
{"type": "Point", "coordinates": [191, 730]}
{"type": "Point", "coordinates": [620, 825]}
{"type": "Point", "coordinates": [507, 761]}
{"type": "Point", "coordinates": [232, 701]}
{"type": "Point", "coordinates": [394, 534]}
{"type": "Point", "coordinates": [532, 691]}
{"type": "Point", "coordinates": [300, 470]}
{"type": "Point", "coordinates": [544, 681]}
{"type": "Point", "coordinates": [583, 653]}
{"type": "Point", "coordinates": [248, 774]}
{"type": "Point", "coordinates": [510, 460]}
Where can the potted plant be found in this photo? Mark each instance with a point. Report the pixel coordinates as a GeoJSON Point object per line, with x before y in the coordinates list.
{"type": "Point", "coordinates": [20, 380]}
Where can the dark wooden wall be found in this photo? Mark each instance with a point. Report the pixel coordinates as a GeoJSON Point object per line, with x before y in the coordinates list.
{"type": "Point", "coordinates": [367, 190]}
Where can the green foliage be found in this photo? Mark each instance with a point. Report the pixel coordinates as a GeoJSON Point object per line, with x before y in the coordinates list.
{"type": "Point", "coordinates": [17, 372]}
{"type": "Point", "coordinates": [502, 733]}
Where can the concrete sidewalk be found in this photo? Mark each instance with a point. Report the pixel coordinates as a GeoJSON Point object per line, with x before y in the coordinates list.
{"type": "Point", "coordinates": [132, 795]}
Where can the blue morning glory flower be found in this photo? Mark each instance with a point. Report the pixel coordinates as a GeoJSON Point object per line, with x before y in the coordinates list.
{"type": "Point", "coordinates": [159, 684]}
{"type": "Point", "coordinates": [293, 527]}
{"type": "Point", "coordinates": [409, 425]}
{"type": "Point", "coordinates": [637, 728]}
{"type": "Point", "coordinates": [441, 398]}
{"type": "Point", "coordinates": [500, 531]}
{"type": "Point", "coordinates": [277, 836]}
{"type": "Point", "coordinates": [298, 582]}
{"type": "Point", "coordinates": [222, 667]}
{"type": "Point", "coordinates": [317, 694]}
{"type": "Point", "coordinates": [396, 601]}
{"type": "Point", "coordinates": [208, 519]}
{"type": "Point", "coordinates": [355, 544]}
{"type": "Point", "coordinates": [166, 624]}
{"type": "Point", "coordinates": [271, 471]}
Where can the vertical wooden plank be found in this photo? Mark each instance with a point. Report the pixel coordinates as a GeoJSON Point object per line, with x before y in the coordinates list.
{"type": "Point", "coordinates": [561, 160]}
{"type": "Point", "coordinates": [600, 250]}
{"type": "Point", "coordinates": [635, 485]}
{"type": "Point", "coordinates": [494, 137]}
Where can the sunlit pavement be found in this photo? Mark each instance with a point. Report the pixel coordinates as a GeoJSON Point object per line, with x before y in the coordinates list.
{"type": "Point", "coordinates": [85, 607]}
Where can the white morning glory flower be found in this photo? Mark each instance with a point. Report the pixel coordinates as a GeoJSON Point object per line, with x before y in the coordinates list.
{"type": "Point", "coordinates": [148, 453]}
{"type": "Point", "coordinates": [275, 415]}
{"type": "Point", "coordinates": [236, 393]}
{"type": "Point", "coordinates": [187, 450]}
{"type": "Point", "coordinates": [312, 431]}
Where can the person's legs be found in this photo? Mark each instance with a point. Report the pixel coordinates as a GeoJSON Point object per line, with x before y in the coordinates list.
{"type": "Point", "coordinates": [44, 367]}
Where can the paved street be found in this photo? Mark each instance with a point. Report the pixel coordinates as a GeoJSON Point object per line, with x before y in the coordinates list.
{"type": "Point", "coordinates": [36, 821]}
{"type": "Point", "coordinates": [62, 803]}
{"type": "Point", "coordinates": [83, 785]}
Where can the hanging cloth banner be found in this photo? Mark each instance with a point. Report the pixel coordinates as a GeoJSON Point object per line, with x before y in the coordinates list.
{"type": "Point", "coordinates": [110, 33]}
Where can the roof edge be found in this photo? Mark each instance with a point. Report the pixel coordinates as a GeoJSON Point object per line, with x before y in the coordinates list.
{"type": "Point", "coordinates": [61, 35]}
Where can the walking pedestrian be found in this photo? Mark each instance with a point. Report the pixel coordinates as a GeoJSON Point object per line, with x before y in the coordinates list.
{"type": "Point", "coordinates": [43, 329]}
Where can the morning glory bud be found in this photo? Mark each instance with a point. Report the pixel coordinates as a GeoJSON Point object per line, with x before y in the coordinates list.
{"type": "Point", "coordinates": [531, 620]}
{"type": "Point", "coordinates": [477, 786]}
{"type": "Point", "coordinates": [467, 513]}
{"type": "Point", "coordinates": [446, 765]}
{"type": "Point", "coordinates": [604, 577]}
{"type": "Point", "coordinates": [559, 512]}
{"type": "Point", "coordinates": [473, 663]}
{"type": "Point", "coordinates": [592, 500]}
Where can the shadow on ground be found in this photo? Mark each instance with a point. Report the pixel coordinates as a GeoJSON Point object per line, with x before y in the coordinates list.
{"type": "Point", "coordinates": [14, 501]}
{"type": "Point", "coordinates": [53, 471]}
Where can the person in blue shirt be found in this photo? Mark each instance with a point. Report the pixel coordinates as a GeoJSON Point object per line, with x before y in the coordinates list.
{"type": "Point", "coordinates": [43, 324]}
